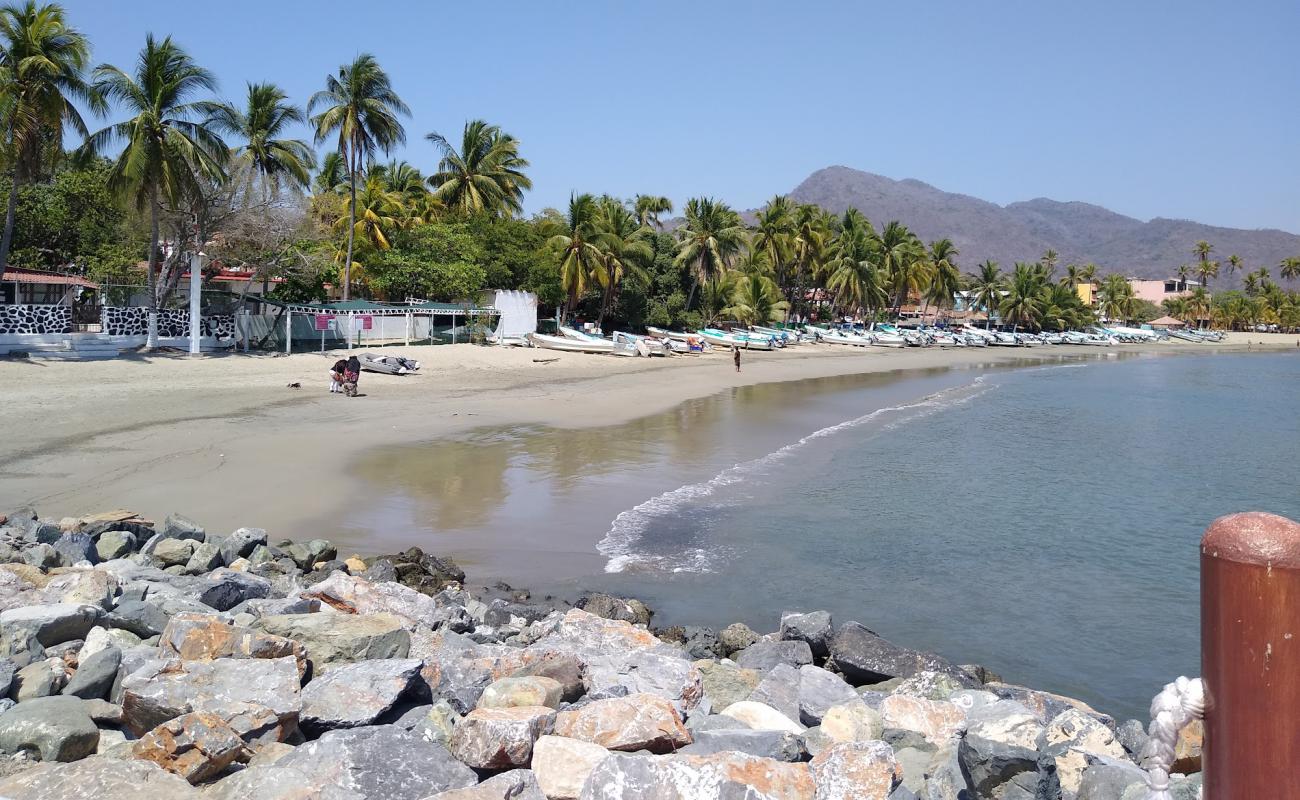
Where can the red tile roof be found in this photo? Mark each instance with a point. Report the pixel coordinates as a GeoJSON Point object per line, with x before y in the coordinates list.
{"type": "Point", "coordinates": [40, 276]}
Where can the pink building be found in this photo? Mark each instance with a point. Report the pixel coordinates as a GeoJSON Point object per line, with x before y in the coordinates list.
{"type": "Point", "coordinates": [1156, 291]}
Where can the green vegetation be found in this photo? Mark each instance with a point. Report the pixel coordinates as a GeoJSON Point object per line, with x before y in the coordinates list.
{"type": "Point", "coordinates": [180, 170]}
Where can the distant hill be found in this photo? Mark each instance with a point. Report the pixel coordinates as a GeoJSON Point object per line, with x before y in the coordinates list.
{"type": "Point", "coordinates": [1079, 232]}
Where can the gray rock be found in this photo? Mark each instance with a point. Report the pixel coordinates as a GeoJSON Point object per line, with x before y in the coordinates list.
{"type": "Point", "coordinates": [1132, 735]}
{"type": "Point", "coordinates": [178, 527]}
{"type": "Point", "coordinates": [863, 657]}
{"type": "Point", "coordinates": [698, 642]}
{"type": "Point", "coordinates": [99, 779]}
{"type": "Point", "coordinates": [162, 689]}
{"type": "Point", "coordinates": [722, 776]}
{"type": "Point", "coordinates": [144, 619]}
{"type": "Point", "coordinates": [38, 679]}
{"type": "Point", "coordinates": [74, 548]}
{"type": "Point", "coordinates": [764, 656]}
{"type": "Point", "coordinates": [241, 544]}
{"type": "Point", "coordinates": [7, 671]}
{"type": "Point", "coordinates": [813, 628]}
{"type": "Point", "coordinates": [517, 784]}
{"type": "Point", "coordinates": [736, 637]}
{"type": "Point", "coordinates": [610, 607]}
{"type": "Point", "coordinates": [999, 753]}
{"type": "Point", "coordinates": [357, 694]}
{"type": "Point", "coordinates": [778, 689]}
{"type": "Point", "coordinates": [564, 668]}
{"type": "Point", "coordinates": [1107, 778]}
{"type": "Point", "coordinates": [94, 677]}
{"type": "Point", "coordinates": [332, 638]}
{"type": "Point", "coordinates": [902, 793]}
{"type": "Point", "coordinates": [102, 711]}
{"type": "Point", "coordinates": [53, 623]}
{"type": "Point", "coordinates": [381, 762]}
{"type": "Point", "coordinates": [725, 683]}
{"type": "Point", "coordinates": [206, 557]}
{"type": "Point", "coordinates": [1045, 705]}
{"type": "Point", "coordinates": [115, 544]}
{"type": "Point", "coordinates": [500, 738]}
{"type": "Point", "coordinates": [272, 605]}
{"type": "Point", "coordinates": [54, 728]}
{"type": "Point", "coordinates": [819, 690]}
{"type": "Point", "coordinates": [41, 555]}
{"type": "Point", "coordinates": [914, 761]}
{"type": "Point", "coordinates": [943, 776]}
{"type": "Point", "coordinates": [227, 589]}
{"type": "Point", "coordinates": [171, 552]}
{"type": "Point", "coordinates": [778, 745]}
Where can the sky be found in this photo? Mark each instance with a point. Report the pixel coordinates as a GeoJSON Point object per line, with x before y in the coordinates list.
{"type": "Point", "coordinates": [1167, 108]}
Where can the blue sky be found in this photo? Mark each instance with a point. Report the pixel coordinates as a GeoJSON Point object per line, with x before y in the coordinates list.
{"type": "Point", "coordinates": [1151, 108]}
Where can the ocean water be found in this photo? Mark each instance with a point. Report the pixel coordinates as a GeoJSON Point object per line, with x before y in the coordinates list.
{"type": "Point", "coordinates": [1043, 522]}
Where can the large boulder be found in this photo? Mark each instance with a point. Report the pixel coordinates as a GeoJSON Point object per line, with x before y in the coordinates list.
{"type": "Point", "coordinates": [517, 784]}
{"type": "Point", "coordinates": [50, 728]}
{"type": "Point", "coordinates": [852, 722]}
{"type": "Point", "coordinates": [722, 776]}
{"type": "Point", "coordinates": [526, 691]}
{"type": "Point", "coordinates": [1067, 746]}
{"type": "Point", "coordinates": [856, 771]}
{"type": "Point", "coordinates": [999, 753]}
{"type": "Point", "coordinates": [172, 552]}
{"type": "Point", "coordinates": [813, 627]}
{"type": "Point", "coordinates": [761, 717]}
{"type": "Point", "coordinates": [778, 745]}
{"type": "Point", "coordinates": [357, 694]}
{"type": "Point", "coordinates": [95, 675]}
{"type": "Point", "coordinates": [636, 722]}
{"type": "Point", "coordinates": [200, 637]}
{"type": "Point", "coordinates": [226, 588]}
{"type": "Point", "coordinates": [355, 595]}
{"type": "Point", "coordinates": [764, 656]}
{"type": "Point", "coordinates": [415, 568]}
{"type": "Point", "coordinates": [334, 638]}
{"type": "Point", "coordinates": [75, 548]}
{"type": "Point", "coordinates": [115, 544]}
{"type": "Point", "coordinates": [178, 527]}
{"type": "Point", "coordinates": [1045, 705]}
{"type": "Point", "coordinates": [89, 586]}
{"type": "Point", "coordinates": [98, 778]}
{"type": "Point", "coordinates": [51, 624]}
{"type": "Point", "coordinates": [562, 765]}
{"type": "Point", "coordinates": [379, 762]}
{"type": "Point", "coordinates": [736, 637]}
{"type": "Point", "coordinates": [725, 683]}
{"type": "Point", "coordinates": [162, 689]}
{"type": "Point", "coordinates": [863, 657]}
{"type": "Point", "coordinates": [936, 721]}
{"type": "Point", "coordinates": [566, 669]}
{"type": "Point", "coordinates": [144, 619]}
{"type": "Point", "coordinates": [500, 738]}
{"type": "Point", "coordinates": [819, 691]}
{"type": "Point", "coordinates": [620, 608]}
{"type": "Point", "coordinates": [195, 746]}
{"type": "Point", "coordinates": [240, 544]}
{"type": "Point", "coordinates": [1107, 778]}
{"type": "Point", "coordinates": [38, 679]}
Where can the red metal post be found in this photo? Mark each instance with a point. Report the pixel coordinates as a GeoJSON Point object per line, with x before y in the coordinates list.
{"type": "Point", "coordinates": [1250, 657]}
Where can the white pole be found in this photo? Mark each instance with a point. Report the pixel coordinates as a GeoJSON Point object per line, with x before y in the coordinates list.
{"type": "Point", "coordinates": [352, 328]}
{"type": "Point", "coordinates": [288, 331]}
{"type": "Point", "coordinates": [408, 328]}
{"type": "Point", "coordinates": [196, 283]}
{"type": "Point", "coordinates": [248, 328]}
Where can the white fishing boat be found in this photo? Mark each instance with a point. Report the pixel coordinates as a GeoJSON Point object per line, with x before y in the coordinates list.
{"type": "Point", "coordinates": [571, 345]}
{"type": "Point", "coordinates": [387, 365]}
{"type": "Point", "coordinates": [719, 338]}
{"type": "Point", "coordinates": [841, 337]}
{"type": "Point", "coordinates": [640, 345]}
{"type": "Point", "coordinates": [785, 337]}
{"type": "Point", "coordinates": [680, 342]}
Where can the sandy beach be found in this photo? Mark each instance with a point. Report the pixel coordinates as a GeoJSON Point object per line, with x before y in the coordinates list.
{"type": "Point", "coordinates": [228, 440]}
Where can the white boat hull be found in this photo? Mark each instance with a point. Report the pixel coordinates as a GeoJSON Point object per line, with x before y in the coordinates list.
{"type": "Point", "coordinates": [569, 345]}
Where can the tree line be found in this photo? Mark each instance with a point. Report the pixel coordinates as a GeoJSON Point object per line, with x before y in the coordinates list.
{"type": "Point", "coordinates": [182, 170]}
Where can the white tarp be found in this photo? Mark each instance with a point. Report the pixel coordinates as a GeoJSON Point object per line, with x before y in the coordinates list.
{"type": "Point", "coordinates": [518, 313]}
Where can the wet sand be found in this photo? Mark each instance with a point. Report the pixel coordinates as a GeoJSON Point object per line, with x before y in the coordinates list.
{"type": "Point", "coordinates": [226, 441]}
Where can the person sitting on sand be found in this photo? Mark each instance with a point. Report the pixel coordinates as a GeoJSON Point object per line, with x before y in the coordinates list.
{"type": "Point", "coordinates": [351, 375]}
{"type": "Point", "coordinates": [336, 376]}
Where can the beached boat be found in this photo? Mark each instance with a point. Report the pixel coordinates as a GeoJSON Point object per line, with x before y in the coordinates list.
{"type": "Point", "coordinates": [783, 336]}
{"type": "Point", "coordinates": [719, 338]}
{"type": "Point", "coordinates": [640, 345]}
{"type": "Point", "coordinates": [571, 345]}
{"type": "Point", "coordinates": [841, 337]}
{"type": "Point", "coordinates": [680, 342]}
{"type": "Point", "coordinates": [387, 365]}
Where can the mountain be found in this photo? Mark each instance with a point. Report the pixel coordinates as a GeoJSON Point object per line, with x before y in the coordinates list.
{"type": "Point", "coordinates": [1079, 232]}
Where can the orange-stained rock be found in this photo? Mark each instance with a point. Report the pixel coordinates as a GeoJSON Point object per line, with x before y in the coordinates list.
{"type": "Point", "coordinates": [856, 771]}
{"type": "Point", "coordinates": [498, 738]}
{"type": "Point", "coordinates": [936, 720]}
{"type": "Point", "coordinates": [1187, 752]}
{"type": "Point", "coordinates": [675, 777]}
{"type": "Point", "coordinates": [194, 746]}
{"type": "Point", "coordinates": [203, 637]}
{"type": "Point", "coordinates": [635, 722]}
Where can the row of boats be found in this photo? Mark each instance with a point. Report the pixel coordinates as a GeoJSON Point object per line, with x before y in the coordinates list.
{"type": "Point", "coordinates": [661, 342]}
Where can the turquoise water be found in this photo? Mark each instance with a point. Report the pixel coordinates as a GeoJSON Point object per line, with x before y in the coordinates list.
{"type": "Point", "coordinates": [1043, 522]}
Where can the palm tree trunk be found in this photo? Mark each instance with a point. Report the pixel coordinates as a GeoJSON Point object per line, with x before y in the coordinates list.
{"type": "Point", "coordinates": [7, 240]}
{"type": "Point", "coordinates": [352, 224]}
{"type": "Point", "coordinates": [151, 324]}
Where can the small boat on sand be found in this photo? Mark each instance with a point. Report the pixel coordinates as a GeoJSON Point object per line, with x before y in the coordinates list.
{"type": "Point", "coordinates": [387, 365]}
{"type": "Point", "coordinates": [564, 343]}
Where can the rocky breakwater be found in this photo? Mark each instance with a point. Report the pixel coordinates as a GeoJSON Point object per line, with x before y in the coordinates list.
{"type": "Point", "coordinates": [141, 660]}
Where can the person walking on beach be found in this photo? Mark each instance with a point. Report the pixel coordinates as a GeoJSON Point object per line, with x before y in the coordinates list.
{"type": "Point", "coordinates": [735, 356]}
{"type": "Point", "coordinates": [351, 375]}
{"type": "Point", "coordinates": [336, 376]}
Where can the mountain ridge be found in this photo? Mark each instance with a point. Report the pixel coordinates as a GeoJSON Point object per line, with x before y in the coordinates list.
{"type": "Point", "coordinates": [1080, 232]}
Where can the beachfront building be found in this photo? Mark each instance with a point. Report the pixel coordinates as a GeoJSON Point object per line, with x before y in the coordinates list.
{"type": "Point", "coordinates": [40, 303]}
{"type": "Point", "coordinates": [1159, 290]}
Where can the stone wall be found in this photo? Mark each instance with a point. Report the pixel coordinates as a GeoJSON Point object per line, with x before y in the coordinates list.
{"type": "Point", "coordinates": [172, 323]}
{"type": "Point", "coordinates": [35, 319]}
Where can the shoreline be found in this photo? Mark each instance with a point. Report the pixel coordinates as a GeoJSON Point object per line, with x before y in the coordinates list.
{"type": "Point", "coordinates": [282, 455]}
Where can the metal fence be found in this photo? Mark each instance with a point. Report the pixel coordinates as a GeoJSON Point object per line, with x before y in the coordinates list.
{"type": "Point", "coordinates": [305, 330]}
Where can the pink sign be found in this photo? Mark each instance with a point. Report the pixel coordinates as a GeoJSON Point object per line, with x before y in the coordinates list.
{"type": "Point", "coordinates": [323, 322]}
{"type": "Point", "coordinates": [367, 322]}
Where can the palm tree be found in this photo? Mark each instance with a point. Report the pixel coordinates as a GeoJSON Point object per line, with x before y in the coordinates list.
{"type": "Point", "coordinates": [333, 173]}
{"type": "Point", "coordinates": [986, 290]}
{"type": "Point", "coordinates": [648, 207]}
{"type": "Point", "coordinates": [900, 257]}
{"type": "Point", "coordinates": [379, 212]}
{"type": "Point", "coordinates": [1184, 272]}
{"type": "Point", "coordinates": [624, 251]}
{"type": "Point", "coordinates": [756, 300]}
{"type": "Point", "coordinates": [810, 249]}
{"type": "Point", "coordinates": [261, 124]}
{"type": "Point", "coordinates": [1116, 297]}
{"type": "Point", "coordinates": [774, 236]}
{"type": "Point", "coordinates": [945, 279]}
{"type": "Point", "coordinates": [1197, 304]}
{"type": "Point", "coordinates": [853, 277]}
{"type": "Point", "coordinates": [42, 61]}
{"type": "Point", "coordinates": [1290, 268]}
{"type": "Point", "coordinates": [1023, 300]}
{"type": "Point", "coordinates": [485, 176]}
{"type": "Point", "coordinates": [1202, 251]}
{"type": "Point", "coordinates": [359, 106]}
{"type": "Point", "coordinates": [1234, 263]}
{"type": "Point", "coordinates": [710, 240]}
{"type": "Point", "coordinates": [1048, 260]}
{"type": "Point", "coordinates": [576, 244]}
{"type": "Point", "coordinates": [168, 150]}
